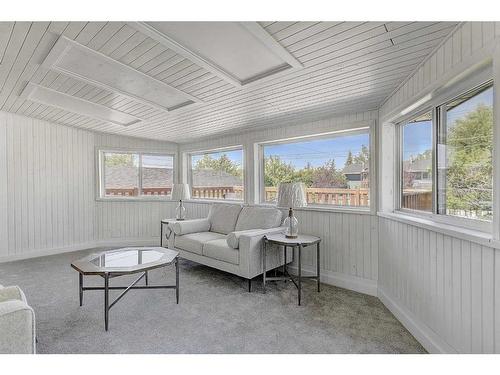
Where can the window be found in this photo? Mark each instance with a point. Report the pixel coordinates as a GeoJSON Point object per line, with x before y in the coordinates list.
{"type": "Point", "coordinates": [464, 154]}
{"type": "Point", "coordinates": [217, 175]}
{"type": "Point", "coordinates": [446, 159]}
{"type": "Point", "coordinates": [334, 168]}
{"type": "Point", "coordinates": [416, 163]}
{"type": "Point", "coordinates": [135, 174]}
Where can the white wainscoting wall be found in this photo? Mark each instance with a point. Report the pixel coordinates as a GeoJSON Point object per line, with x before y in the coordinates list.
{"type": "Point", "coordinates": [47, 191]}
{"type": "Point", "coordinates": [444, 288]}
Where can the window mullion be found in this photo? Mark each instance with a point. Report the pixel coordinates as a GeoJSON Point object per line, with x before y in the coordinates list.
{"type": "Point", "coordinates": [140, 174]}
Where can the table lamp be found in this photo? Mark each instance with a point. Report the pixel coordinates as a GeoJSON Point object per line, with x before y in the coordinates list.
{"type": "Point", "coordinates": [179, 193]}
{"type": "Point", "coordinates": [291, 195]}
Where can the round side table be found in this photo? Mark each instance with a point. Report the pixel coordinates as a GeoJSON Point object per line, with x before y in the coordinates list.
{"type": "Point", "coordinates": [300, 242]}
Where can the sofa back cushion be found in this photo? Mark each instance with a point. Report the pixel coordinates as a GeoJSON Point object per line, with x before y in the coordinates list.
{"type": "Point", "coordinates": [258, 218]}
{"type": "Point", "coordinates": [223, 217]}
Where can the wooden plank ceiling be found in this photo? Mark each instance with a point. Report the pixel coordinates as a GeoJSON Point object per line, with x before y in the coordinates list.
{"type": "Point", "coordinates": [347, 67]}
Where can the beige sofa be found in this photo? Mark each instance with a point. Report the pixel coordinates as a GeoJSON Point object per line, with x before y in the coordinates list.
{"type": "Point", "coordinates": [17, 322]}
{"type": "Point", "coordinates": [230, 239]}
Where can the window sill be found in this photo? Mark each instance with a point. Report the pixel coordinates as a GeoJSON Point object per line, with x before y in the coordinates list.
{"type": "Point", "coordinates": [210, 201]}
{"type": "Point", "coordinates": [476, 236]}
{"type": "Point", "coordinates": [333, 209]}
{"type": "Point", "coordinates": [134, 199]}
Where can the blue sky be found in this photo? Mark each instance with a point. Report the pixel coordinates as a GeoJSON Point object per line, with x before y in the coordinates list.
{"type": "Point", "coordinates": [319, 151]}
{"type": "Point", "coordinates": [417, 137]}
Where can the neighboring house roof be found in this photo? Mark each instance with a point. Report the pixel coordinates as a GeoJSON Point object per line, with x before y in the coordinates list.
{"type": "Point", "coordinates": [353, 169]}
{"type": "Point", "coordinates": [420, 165]}
{"type": "Point", "coordinates": [209, 177]}
{"type": "Point", "coordinates": [121, 177]}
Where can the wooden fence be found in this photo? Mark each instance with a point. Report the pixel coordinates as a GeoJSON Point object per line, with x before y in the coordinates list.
{"type": "Point", "coordinates": [417, 200]}
{"type": "Point", "coordinates": [338, 197]}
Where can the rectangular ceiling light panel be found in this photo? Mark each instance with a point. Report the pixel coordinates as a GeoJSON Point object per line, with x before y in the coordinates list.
{"type": "Point", "coordinates": [81, 62]}
{"type": "Point", "coordinates": [239, 52]}
{"type": "Point", "coordinates": [73, 104]}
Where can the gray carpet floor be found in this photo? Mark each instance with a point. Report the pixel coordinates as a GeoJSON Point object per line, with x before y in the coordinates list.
{"type": "Point", "coordinates": [216, 314]}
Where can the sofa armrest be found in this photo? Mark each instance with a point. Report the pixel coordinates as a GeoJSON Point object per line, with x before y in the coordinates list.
{"type": "Point", "coordinates": [12, 293]}
{"type": "Point", "coordinates": [17, 328]}
{"type": "Point", "coordinates": [251, 252]}
{"type": "Point", "coordinates": [233, 238]}
{"type": "Point", "coordinates": [190, 226]}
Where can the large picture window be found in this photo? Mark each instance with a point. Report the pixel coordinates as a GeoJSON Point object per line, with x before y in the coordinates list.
{"type": "Point", "coordinates": [217, 175]}
{"type": "Point", "coordinates": [126, 174]}
{"type": "Point", "coordinates": [334, 168]}
{"type": "Point", "coordinates": [446, 159]}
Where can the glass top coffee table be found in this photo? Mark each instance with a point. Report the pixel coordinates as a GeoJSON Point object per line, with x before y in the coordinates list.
{"type": "Point", "coordinates": [125, 261]}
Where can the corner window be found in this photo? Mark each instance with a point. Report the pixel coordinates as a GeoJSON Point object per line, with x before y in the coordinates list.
{"type": "Point", "coordinates": [217, 175]}
{"type": "Point", "coordinates": [464, 154]}
{"type": "Point", "coordinates": [416, 163]}
{"type": "Point", "coordinates": [126, 174]}
{"type": "Point", "coordinates": [446, 159]}
{"type": "Point", "coordinates": [334, 168]}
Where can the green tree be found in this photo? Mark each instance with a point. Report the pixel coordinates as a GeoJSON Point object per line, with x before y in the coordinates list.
{"type": "Point", "coordinates": [468, 177]}
{"type": "Point", "coordinates": [223, 163]}
{"type": "Point", "coordinates": [305, 175]}
{"type": "Point", "coordinates": [349, 159]}
{"type": "Point", "coordinates": [277, 171]}
{"type": "Point", "coordinates": [327, 176]}
{"type": "Point", "coordinates": [113, 160]}
{"type": "Point", "coordinates": [363, 156]}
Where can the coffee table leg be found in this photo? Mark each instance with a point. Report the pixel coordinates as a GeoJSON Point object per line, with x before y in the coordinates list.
{"type": "Point", "coordinates": [177, 280]}
{"type": "Point", "coordinates": [146, 277]}
{"type": "Point", "coordinates": [300, 272]}
{"type": "Point", "coordinates": [80, 287]}
{"type": "Point", "coordinates": [106, 301]}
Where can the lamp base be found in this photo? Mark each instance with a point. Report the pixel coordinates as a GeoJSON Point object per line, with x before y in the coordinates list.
{"type": "Point", "coordinates": [290, 236]}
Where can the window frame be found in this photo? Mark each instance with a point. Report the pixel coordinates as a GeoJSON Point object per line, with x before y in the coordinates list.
{"type": "Point", "coordinates": [100, 175]}
{"type": "Point", "coordinates": [482, 80]}
{"type": "Point", "coordinates": [189, 172]}
{"type": "Point", "coordinates": [368, 129]}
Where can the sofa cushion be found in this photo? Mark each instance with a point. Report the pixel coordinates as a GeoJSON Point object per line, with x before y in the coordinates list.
{"type": "Point", "coordinates": [218, 249]}
{"type": "Point", "coordinates": [223, 217]}
{"type": "Point", "coordinates": [258, 218]}
{"type": "Point", "coordinates": [193, 242]}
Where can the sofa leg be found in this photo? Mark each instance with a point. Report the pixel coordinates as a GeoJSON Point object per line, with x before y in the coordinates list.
{"type": "Point", "coordinates": [249, 285]}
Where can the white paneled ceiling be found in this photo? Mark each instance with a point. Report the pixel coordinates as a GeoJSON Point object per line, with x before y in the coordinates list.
{"type": "Point", "coordinates": [183, 81]}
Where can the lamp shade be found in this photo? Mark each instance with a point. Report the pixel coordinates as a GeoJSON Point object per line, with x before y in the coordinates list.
{"type": "Point", "coordinates": [292, 195]}
{"type": "Point", "coordinates": [181, 192]}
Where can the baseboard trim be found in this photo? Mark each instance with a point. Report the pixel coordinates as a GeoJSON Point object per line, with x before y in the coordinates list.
{"type": "Point", "coordinates": [29, 254]}
{"type": "Point", "coordinates": [357, 284]}
{"type": "Point", "coordinates": [424, 335]}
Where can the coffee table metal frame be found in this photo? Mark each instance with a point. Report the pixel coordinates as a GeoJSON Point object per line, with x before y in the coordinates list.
{"type": "Point", "coordinates": [300, 242]}
{"type": "Point", "coordinates": [80, 266]}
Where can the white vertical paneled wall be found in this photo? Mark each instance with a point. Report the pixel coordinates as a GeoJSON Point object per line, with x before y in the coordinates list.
{"type": "Point", "coordinates": [350, 240]}
{"type": "Point", "coordinates": [445, 289]}
{"type": "Point", "coordinates": [47, 191]}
